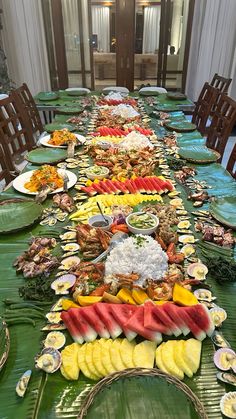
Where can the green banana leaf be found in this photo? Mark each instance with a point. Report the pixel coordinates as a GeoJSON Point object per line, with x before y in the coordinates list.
{"type": "Point", "coordinates": [46, 155]}
{"type": "Point", "coordinates": [198, 154]}
{"type": "Point", "coordinates": [223, 209]}
{"type": "Point", "coordinates": [16, 214]}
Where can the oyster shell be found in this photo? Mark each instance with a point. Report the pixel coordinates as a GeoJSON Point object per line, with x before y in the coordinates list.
{"type": "Point", "coordinates": [54, 340]}
{"type": "Point", "coordinates": [70, 262]}
{"type": "Point", "coordinates": [188, 250]}
{"type": "Point", "coordinates": [204, 294]}
{"type": "Point", "coordinates": [54, 317]}
{"type": "Point", "coordinates": [23, 382]}
{"type": "Point", "coordinates": [197, 270]}
{"type": "Point", "coordinates": [225, 359]}
{"type": "Point", "coordinates": [228, 404]}
{"type": "Point", "coordinates": [58, 305]}
{"type": "Point", "coordinates": [173, 193]}
{"type": "Point", "coordinates": [52, 327]}
{"type": "Point", "coordinates": [227, 377]}
{"type": "Point", "coordinates": [69, 235]}
{"type": "Point", "coordinates": [49, 360]}
{"type": "Point", "coordinates": [70, 247]}
{"type": "Point", "coordinates": [62, 284]}
{"type": "Point", "coordinates": [219, 340]}
{"type": "Point", "coordinates": [184, 224]}
{"type": "Point", "coordinates": [187, 238]}
{"type": "Point", "coordinates": [218, 315]}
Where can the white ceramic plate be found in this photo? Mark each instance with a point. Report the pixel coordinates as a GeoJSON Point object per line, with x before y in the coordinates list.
{"type": "Point", "coordinates": [19, 182]}
{"type": "Point", "coordinates": [78, 89]}
{"type": "Point", "coordinates": [44, 141]}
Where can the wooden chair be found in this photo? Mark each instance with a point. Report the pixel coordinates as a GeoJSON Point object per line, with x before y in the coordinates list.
{"type": "Point", "coordinates": [5, 175]}
{"type": "Point", "coordinates": [16, 136]}
{"type": "Point", "coordinates": [222, 124]}
{"type": "Point", "coordinates": [231, 165]}
{"type": "Point", "coordinates": [27, 102]}
{"type": "Point", "coordinates": [221, 83]}
{"type": "Point", "coordinates": [203, 108]}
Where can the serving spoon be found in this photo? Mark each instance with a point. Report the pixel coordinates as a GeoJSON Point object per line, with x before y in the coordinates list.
{"type": "Point", "coordinates": [103, 216]}
{"type": "Point", "coordinates": [115, 240]}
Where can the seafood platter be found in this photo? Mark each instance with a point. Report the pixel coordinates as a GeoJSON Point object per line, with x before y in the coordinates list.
{"type": "Point", "coordinates": [122, 280]}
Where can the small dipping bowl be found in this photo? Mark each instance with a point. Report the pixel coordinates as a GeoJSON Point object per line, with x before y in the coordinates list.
{"type": "Point", "coordinates": [93, 176]}
{"type": "Point", "coordinates": [139, 230]}
{"type": "Point", "coordinates": [97, 221]}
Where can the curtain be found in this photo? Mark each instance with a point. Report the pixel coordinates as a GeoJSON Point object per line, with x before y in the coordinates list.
{"type": "Point", "coordinates": [212, 44]}
{"type": "Point", "coordinates": [151, 29]}
{"type": "Point", "coordinates": [101, 27]}
{"type": "Point", "coordinates": [24, 44]}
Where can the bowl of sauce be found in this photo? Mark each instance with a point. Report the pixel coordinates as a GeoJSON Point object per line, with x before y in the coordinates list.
{"type": "Point", "coordinates": [97, 221]}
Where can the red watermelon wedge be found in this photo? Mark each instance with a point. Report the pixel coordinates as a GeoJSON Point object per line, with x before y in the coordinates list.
{"type": "Point", "coordinates": [105, 187]}
{"type": "Point", "coordinates": [98, 189]}
{"type": "Point", "coordinates": [155, 185]}
{"type": "Point", "coordinates": [90, 315]}
{"type": "Point", "coordinates": [151, 188]}
{"type": "Point", "coordinates": [158, 185]}
{"type": "Point", "coordinates": [77, 337]}
{"type": "Point", "coordinates": [82, 325]}
{"type": "Point", "coordinates": [112, 186]}
{"type": "Point", "coordinates": [200, 315]}
{"type": "Point", "coordinates": [152, 322]}
{"type": "Point", "coordinates": [122, 313]}
{"type": "Point", "coordinates": [191, 324]}
{"type": "Point", "coordinates": [173, 312]}
{"type": "Point", "coordinates": [129, 186]}
{"type": "Point", "coordinates": [139, 185]}
{"type": "Point", "coordinates": [105, 314]}
{"type": "Point", "coordinates": [136, 323]}
{"type": "Point", "coordinates": [166, 320]}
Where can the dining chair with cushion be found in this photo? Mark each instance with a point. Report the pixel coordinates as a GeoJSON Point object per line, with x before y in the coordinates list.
{"type": "Point", "coordinates": [26, 101]}
{"type": "Point", "coordinates": [222, 124]}
{"type": "Point", "coordinates": [231, 165]}
{"type": "Point", "coordinates": [16, 136]}
{"type": "Point", "coordinates": [221, 83]}
{"type": "Point", "coordinates": [203, 108]}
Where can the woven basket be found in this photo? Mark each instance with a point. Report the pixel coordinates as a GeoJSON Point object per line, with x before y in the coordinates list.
{"type": "Point", "coordinates": [5, 338]}
{"type": "Point", "coordinates": [135, 372]}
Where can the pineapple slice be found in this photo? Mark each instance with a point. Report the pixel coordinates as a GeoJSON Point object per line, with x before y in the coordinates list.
{"type": "Point", "coordinates": [168, 360]}
{"type": "Point", "coordinates": [69, 358]}
{"type": "Point", "coordinates": [106, 358]}
{"type": "Point", "coordinates": [144, 354]}
{"type": "Point", "coordinates": [97, 357]}
{"type": "Point", "coordinates": [192, 353]}
{"type": "Point", "coordinates": [159, 358]}
{"type": "Point", "coordinates": [179, 358]}
{"type": "Point", "coordinates": [89, 359]}
{"type": "Point", "coordinates": [126, 353]}
{"type": "Point", "coordinates": [115, 355]}
{"type": "Point", "coordinates": [83, 365]}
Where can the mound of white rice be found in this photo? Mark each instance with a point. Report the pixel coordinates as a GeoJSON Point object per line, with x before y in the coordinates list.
{"type": "Point", "coordinates": [135, 141]}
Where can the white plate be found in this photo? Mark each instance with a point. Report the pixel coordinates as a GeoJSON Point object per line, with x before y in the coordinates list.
{"type": "Point", "coordinates": [78, 89]}
{"type": "Point", "coordinates": [18, 183]}
{"type": "Point", "coordinates": [44, 141]}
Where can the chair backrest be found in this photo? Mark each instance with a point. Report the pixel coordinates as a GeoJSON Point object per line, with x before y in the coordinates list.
{"type": "Point", "coordinates": [208, 97]}
{"type": "Point", "coordinates": [5, 175]}
{"type": "Point", "coordinates": [222, 124]}
{"type": "Point", "coordinates": [231, 165]}
{"type": "Point", "coordinates": [221, 83]}
{"type": "Point", "coordinates": [27, 102]}
{"type": "Point", "coordinates": [16, 135]}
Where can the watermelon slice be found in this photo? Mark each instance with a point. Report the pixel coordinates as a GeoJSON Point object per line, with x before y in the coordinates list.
{"type": "Point", "coordinates": [82, 325]}
{"type": "Point", "coordinates": [105, 187]}
{"type": "Point", "coordinates": [98, 189]}
{"type": "Point", "coordinates": [129, 186]}
{"type": "Point", "coordinates": [152, 322]}
{"type": "Point", "coordinates": [122, 313]}
{"type": "Point", "coordinates": [169, 185]}
{"type": "Point", "coordinates": [150, 185]}
{"type": "Point", "coordinates": [121, 186]}
{"type": "Point", "coordinates": [136, 323]}
{"type": "Point", "coordinates": [90, 315]}
{"type": "Point", "coordinates": [158, 187]}
{"type": "Point", "coordinates": [166, 320]}
{"type": "Point", "coordinates": [200, 315]}
{"type": "Point", "coordinates": [173, 312]}
{"type": "Point", "coordinates": [134, 186]}
{"type": "Point", "coordinates": [89, 190]}
{"type": "Point", "coordinates": [77, 337]}
{"type": "Point", "coordinates": [105, 313]}
{"type": "Point", "coordinates": [197, 332]}
{"type": "Point", "coordinates": [112, 186]}
{"type": "Point", "coordinates": [155, 185]}
{"type": "Point", "coordinates": [139, 185]}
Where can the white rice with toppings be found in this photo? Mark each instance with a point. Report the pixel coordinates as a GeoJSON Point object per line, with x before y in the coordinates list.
{"type": "Point", "coordinates": [135, 141]}
{"type": "Point", "coordinates": [138, 254]}
{"type": "Point", "coordinates": [125, 111]}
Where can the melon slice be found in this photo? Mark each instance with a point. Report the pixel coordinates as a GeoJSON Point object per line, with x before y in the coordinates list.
{"type": "Point", "coordinates": [200, 315]}
{"type": "Point", "coordinates": [180, 359]}
{"type": "Point", "coordinates": [144, 354]}
{"type": "Point", "coordinates": [74, 332]}
{"type": "Point", "coordinates": [116, 359]}
{"type": "Point", "coordinates": [106, 358]}
{"type": "Point", "coordinates": [122, 313]}
{"type": "Point", "coordinates": [159, 362]}
{"type": "Point", "coordinates": [97, 357]}
{"type": "Point", "coordinates": [126, 353]}
{"type": "Point", "coordinates": [169, 362]}
{"type": "Point", "coordinates": [82, 325]}
{"type": "Point", "coordinates": [191, 324]}
{"type": "Point", "coordinates": [83, 365]}
{"type": "Point", "coordinates": [90, 315]}
{"type": "Point", "coordinates": [173, 312]}
{"type": "Point", "coordinates": [192, 353]}
{"type": "Point", "coordinates": [89, 360]}
{"type": "Point", "coordinates": [105, 313]}
{"type": "Point", "coordinates": [152, 322]}
{"type": "Point", "coordinates": [166, 320]}
{"type": "Point", "coordinates": [136, 323]}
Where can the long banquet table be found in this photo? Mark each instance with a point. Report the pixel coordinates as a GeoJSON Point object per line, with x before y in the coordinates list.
{"type": "Point", "coordinates": [51, 396]}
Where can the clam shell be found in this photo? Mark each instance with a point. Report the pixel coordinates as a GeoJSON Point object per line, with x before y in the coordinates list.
{"type": "Point", "coordinates": [69, 235]}
{"type": "Point", "coordinates": [69, 262]}
{"type": "Point", "coordinates": [54, 317]}
{"type": "Point", "coordinates": [184, 224]}
{"type": "Point", "coordinates": [188, 250]}
{"type": "Point", "coordinates": [176, 202]}
{"type": "Point", "coordinates": [23, 382]}
{"type": "Point", "coordinates": [228, 404]}
{"type": "Point", "coordinates": [54, 340]}
{"type": "Point", "coordinates": [197, 270]}
{"type": "Point", "coordinates": [181, 212]}
{"type": "Point", "coordinates": [58, 305]}
{"type": "Point", "coordinates": [186, 238]}
{"type": "Point", "coordinates": [52, 327]}
{"type": "Point", "coordinates": [227, 377]}
{"type": "Point", "coordinates": [70, 247]}
{"type": "Point", "coordinates": [49, 360]}
{"type": "Point", "coordinates": [204, 294]}
{"type": "Point", "coordinates": [62, 284]}
{"type": "Point", "coordinates": [218, 315]}
{"type": "Point", "coordinates": [219, 340]}
{"type": "Point", "coordinates": [225, 359]}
